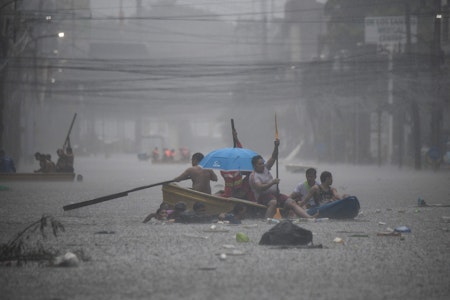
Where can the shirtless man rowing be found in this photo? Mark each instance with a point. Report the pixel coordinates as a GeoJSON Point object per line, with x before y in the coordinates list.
{"type": "Point", "coordinates": [200, 177]}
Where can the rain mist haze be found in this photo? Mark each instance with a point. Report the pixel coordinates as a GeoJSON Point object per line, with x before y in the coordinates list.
{"type": "Point", "coordinates": [141, 74]}
{"type": "Point", "coordinates": [358, 88]}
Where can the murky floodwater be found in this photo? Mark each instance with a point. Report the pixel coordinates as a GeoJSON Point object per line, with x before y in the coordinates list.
{"type": "Point", "coordinates": [142, 261]}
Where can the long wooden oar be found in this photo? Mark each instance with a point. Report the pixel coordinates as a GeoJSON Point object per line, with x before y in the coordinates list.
{"type": "Point", "coordinates": [112, 196]}
{"type": "Point", "coordinates": [67, 140]}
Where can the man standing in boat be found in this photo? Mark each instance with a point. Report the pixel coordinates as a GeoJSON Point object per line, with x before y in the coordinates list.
{"type": "Point", "coordinates": [200, 177]}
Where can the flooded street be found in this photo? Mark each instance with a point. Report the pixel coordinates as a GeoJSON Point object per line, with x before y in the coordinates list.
{"type": "Point", "coordinates": [156, 261]}
{"type": "Point", "coordinates": [362, 88]}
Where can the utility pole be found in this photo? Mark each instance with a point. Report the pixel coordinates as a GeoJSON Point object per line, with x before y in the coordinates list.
{"type": "Point", "coordinates": [264, 28]}
{"type": "Point", "coordinates": [436, 77]}
{"type": "Point", "coordinates": [414, 107]}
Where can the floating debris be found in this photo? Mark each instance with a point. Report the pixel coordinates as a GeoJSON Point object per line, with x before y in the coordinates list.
{"type": "Point", "coordinates": [403, 229]}
{"type": "Point", "coordinates": [273, 221]}
{"type": "Point", "coordinates": [242, 237]}
{"type": "Point", "coordinates": [319, 220]}
{"type": "Point", "coordinates": [302, 220]}
{"type": "Point", "coordinates": [359, 235]}
{"type": "Point", "coordinates": [67, 260]}
{"type": "Point", "coordinates": [29, 245]}
{"type": "Point", "coordinates": [224, 255]}
{"type": "Point", "coordinates": [236, 253]}
{"type": "Point", "coordinates": [195, 236]}
{"type": "Point", "coordinates": [214, 228]}
{"type": "Point", "coordinates": [389, 233]}
{"type": "Point", "coordinates": [338, 240]}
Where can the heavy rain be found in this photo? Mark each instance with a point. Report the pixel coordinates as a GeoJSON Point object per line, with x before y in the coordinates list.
{"type": "Point", "coordinates": [357, 89]}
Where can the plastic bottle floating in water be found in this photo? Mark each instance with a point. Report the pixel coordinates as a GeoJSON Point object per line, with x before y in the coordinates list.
{"type": "Point", "coordinates": [273, 221]}
{"type": "Point", "coordinates": [403, 229]}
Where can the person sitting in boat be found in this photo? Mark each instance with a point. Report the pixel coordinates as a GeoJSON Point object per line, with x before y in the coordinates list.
{"type": "Point", "coordinates": [37, 156]}
{"type": "Point", "coordinates": [265, 187]}
{"type": "Point", "coordinates": [166, 154]}
{"type": "Point", "coordinates": [200, 177]}
{"type": "Point", "coordinates": [46, 165]}
{"type": "Point", "coordinates": [6, 163]}
{"type": "Point", "coordinates": [236, 185]}
{"type": "Point", "coordinates": [155, 154]}
{"type": "Point", "coordinates": [65, 160]}
{"type": "Point", "coordinates": [326, 198]}
{"type": "Point", "coordinates": [50, 166]}
{"type": "Point", "coordinates": [70, 158]}
{"type": "Point", "coordinates": [303, 188]}
{"type": "Point", "coordinates": [322, 193]}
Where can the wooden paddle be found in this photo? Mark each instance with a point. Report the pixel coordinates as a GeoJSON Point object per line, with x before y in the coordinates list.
{"type": "Point", "coordinates": [232, 133]}
{"type": "Point", "coordinates": [112, 196]}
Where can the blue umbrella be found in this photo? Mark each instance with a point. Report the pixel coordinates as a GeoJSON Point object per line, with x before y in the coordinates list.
{"type": "Point", "coordinates": [229, 159]}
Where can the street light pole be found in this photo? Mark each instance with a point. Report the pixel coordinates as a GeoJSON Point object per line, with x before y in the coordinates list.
{"type": "Point", "coordinates": [437, 109]}
{"type": "Point", "coordinates": [41, 75]}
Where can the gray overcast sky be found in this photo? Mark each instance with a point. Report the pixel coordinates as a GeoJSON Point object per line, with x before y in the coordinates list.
{"type": "Point", "coordinates": [112, 7]}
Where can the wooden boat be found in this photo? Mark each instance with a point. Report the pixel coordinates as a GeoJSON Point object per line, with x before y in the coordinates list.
{"type": "Point", "coordinates": [173, 193]}
{"type": "Point", "coordinates": [37, 176]}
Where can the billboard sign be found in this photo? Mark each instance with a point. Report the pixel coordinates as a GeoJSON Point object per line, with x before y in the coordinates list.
{"type": "Point", "coordinates": [389, 31]}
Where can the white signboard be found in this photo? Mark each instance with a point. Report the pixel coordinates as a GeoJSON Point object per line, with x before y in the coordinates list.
{"type": "Point", "coordinates": [389, 31]}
